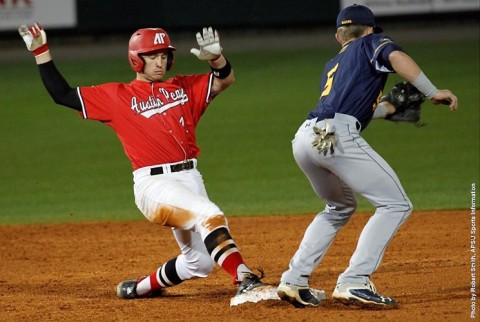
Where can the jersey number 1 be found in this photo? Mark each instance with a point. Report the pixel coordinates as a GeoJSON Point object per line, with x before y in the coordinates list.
{"type": "Point", "coordinates": [329, 83]}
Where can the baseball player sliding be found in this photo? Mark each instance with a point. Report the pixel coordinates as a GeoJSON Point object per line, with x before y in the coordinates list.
{"type": "Point", "coordinates": [339, 163]}
{"type": "Point", "coordinates": [155, 120]}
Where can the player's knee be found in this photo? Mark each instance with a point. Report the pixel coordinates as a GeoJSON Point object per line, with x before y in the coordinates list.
{"type": "Point", "coordinates": [194, 264]}
{"type": "Point", "coordinates": [406, 211]}
{"type": "Point", "coordinates": [340, 214]}
{"type": "Point", "coordinates": [408, 208]}
{"type": "Point", "coordinates": [401, 210]}
{"type": "Point", "coordinates": [348, 208]}
{"type": "Point", "coordinates": [201, 266]}
{"type": "Point", "coordinates": [210, 223]}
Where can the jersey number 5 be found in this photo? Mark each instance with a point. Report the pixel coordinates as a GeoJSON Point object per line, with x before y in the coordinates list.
{"type": "Point", "coordinates": [329, 83]}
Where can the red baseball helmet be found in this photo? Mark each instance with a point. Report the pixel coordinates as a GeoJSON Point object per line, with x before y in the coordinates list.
{"type": "Point", "coordinates": [145, 41]}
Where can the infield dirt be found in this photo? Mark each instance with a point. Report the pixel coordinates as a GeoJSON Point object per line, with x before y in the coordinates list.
{"type": "Point", "coordinates": [68, 272]}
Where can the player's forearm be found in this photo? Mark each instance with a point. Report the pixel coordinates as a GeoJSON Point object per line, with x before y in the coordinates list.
{"type": "Point", "coordinates": [57, 86]}
{"type": "Point", "coordinates": [224, 76]}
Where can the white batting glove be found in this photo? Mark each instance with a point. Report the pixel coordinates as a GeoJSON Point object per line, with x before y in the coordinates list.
{"type": "Point", "coordinates": [35, 38]}
{"type": "Point", "coordinates": [209, 43]}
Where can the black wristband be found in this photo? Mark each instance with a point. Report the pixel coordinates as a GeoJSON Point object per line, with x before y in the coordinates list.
{"type": "Point", "coordinates": [222, 73]}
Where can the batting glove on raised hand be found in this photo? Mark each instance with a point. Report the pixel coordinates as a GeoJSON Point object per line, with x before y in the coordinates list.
{"type": "Point", "coordinates": [209, 43]}
{"type": "Point", "coordinates": [35, 38]}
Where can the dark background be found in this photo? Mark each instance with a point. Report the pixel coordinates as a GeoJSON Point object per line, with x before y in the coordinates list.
{"type": "Point", "coordinates": [112, 17]}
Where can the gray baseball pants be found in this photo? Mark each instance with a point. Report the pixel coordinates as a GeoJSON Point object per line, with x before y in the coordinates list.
{"type": "Point", "coordinates": [353, 168]}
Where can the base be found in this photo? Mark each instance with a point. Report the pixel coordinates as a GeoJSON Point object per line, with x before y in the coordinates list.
{"type": "Point", "coordinates": [260, 293]}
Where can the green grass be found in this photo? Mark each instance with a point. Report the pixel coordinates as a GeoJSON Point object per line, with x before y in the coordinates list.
{"type": "Point", "coordinates": [60, 168]}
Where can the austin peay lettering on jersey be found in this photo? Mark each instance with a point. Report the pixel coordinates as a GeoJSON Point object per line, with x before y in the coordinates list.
{"type": "Point", "coordinates": [156, 105]}
{"type": "Point", "coordinates": [154, 121]}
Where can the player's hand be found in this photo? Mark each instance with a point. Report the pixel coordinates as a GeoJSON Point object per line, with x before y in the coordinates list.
{"type": "Point", "coordinates": [407, 101]}
{"type": "Point", "coordinates": [209, 44]}
{"type": "Point", "coordinates": [35, 38]}
{"type": "Point", "coordinates": [445, 97]}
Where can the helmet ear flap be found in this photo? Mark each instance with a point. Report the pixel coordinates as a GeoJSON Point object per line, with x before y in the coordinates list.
{"type": "Point", "coordinates": [170, 60]}
{"type": "Point", "coordinates": [136, 62]}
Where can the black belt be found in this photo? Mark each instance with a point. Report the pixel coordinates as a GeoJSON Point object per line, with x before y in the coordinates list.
{"type": "Point", "coordinates": [187, 165]}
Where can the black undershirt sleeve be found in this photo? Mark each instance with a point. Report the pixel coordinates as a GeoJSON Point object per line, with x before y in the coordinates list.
{"type": "Point", "coordinates": [58, 87]}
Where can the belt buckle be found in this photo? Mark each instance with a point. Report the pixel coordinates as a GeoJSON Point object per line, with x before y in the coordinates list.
{"type": "Point", "coordinates": [184, 166]}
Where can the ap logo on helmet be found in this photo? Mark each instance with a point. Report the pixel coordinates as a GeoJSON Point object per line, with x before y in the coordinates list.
{"type": "Point", "coordinates": [159, 38]}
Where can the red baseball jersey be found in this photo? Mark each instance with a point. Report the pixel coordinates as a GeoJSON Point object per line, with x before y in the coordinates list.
{"type": "Point", "coordinates": [154, 121]}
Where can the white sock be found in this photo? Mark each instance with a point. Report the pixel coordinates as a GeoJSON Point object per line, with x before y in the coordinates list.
{"type": "Point", "coordinates": [241, 270]}
{"type": "Point", "coordinates": [144, 286]}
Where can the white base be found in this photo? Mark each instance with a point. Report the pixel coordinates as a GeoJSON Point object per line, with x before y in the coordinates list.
{"type": "Point", "coordinates": [261, 293]}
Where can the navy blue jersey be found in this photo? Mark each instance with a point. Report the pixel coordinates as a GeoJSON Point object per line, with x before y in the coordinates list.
{"type": "Point", "coordinates": [353, 81]}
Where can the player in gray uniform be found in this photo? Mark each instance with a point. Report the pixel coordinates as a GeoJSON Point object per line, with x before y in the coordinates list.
{"type": "Point", "coordinates": [338, 162]}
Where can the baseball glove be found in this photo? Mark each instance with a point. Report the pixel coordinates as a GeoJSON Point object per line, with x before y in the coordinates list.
{"type": "Point", "coordinates": [407, 100]}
